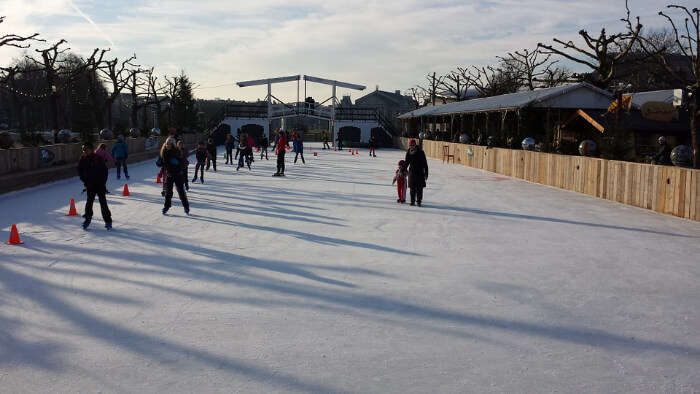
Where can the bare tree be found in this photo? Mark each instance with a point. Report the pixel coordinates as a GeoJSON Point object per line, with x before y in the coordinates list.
{"type": "Point", "coordinates": [117, 76]}
{"type": "Point", "coordinates": [417, 95]}
{"type": "Point", "coordinates": [455, 84]}
{"type": "Point", "coordinates": [431, 91]}
{"type": "Point", "coordinates": [534, 69]}
{"type": "Point", "coordinates": [135, 85]}
{"type": "Point", "coordinates": [686, 36]}
{"type": "Point", "coordinates": [601, 54]}
{"type": "Point", "coordinates": [15, 40]}
{"type": "Point", "coordinates": [494, 81]}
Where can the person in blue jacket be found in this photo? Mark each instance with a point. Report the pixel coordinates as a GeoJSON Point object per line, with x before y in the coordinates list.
{"type": "Point", "coordinates": [298, 146]}
{"type": "Point", "coordinates": [120, 152]}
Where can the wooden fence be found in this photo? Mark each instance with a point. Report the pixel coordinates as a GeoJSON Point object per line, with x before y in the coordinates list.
{"type": "Point", "coordinates": [23, 167]}
{"type": "Point", "coordinates": [28, 159]}
{"type": "Point", "coordinates": [664, 189]}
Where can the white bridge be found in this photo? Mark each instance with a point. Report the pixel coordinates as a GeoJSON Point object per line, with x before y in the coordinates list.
{"type": "Point", "coordinates": [353, 123]}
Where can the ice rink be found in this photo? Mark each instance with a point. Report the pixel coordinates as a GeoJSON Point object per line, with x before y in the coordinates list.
{"type": "Point", "coordinates": [321, 282]}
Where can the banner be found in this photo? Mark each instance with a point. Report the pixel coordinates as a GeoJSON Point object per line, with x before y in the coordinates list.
{"type": "Point", "coordinates": [659, 111]}
{"type": "Point", "coordinates": [47, 156]}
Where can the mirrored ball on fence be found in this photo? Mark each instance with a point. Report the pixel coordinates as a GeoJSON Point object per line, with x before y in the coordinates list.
{"type": "Point", "coordinates": [587, 148]}
{"type": "Point", "coordinates": [464, 138]}
{"type": "Point", "coordinates": [64, 136]}
{"type": "Point", "coordinates": [106, 134]}
{"type": "Point", "coordinates": [528, 143]}
{"type": "Point", "coordinates": [134, 132]}
{"type": "Point", "coordinates": [155, 131]}
{"type": "Point", "coordinates": [682, 156]}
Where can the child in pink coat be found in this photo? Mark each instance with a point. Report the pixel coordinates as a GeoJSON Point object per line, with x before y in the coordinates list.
{"type": "Point", "coordinates": [400, 179]}
{"type": "Point", "coordinates": [104, 154]}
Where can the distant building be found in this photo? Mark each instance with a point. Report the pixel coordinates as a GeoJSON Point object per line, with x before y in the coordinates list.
{"type": "Point", "coordinates": [390, 105]}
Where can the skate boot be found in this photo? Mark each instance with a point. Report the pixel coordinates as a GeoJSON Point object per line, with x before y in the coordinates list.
{"type": "Point", "coordinates": [108, 226]}
{"type": "Point", "coordinates": [86, 223]}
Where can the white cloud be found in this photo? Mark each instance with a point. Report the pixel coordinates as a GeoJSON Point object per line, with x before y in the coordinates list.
{"type": "Point", "coordinates": [392, 43]}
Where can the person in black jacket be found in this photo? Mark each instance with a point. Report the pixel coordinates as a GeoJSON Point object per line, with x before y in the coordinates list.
{"type": "Point", "coordinates": [211, 148]}
{"type": "Point", "coordinates": [417, 166]}
{"type": "Point", "coordinates": [173, 162]}
{"type": "Point", "coordinates": [93, 172]}
{"type": "Point", "coordinates": [663, 155]}
{"type": "Point", "coordinates": [201, 155]}
{"type": "Point", "coordinates": [264, 143]}
{"type": "Point", "coordinates": [230, 144]}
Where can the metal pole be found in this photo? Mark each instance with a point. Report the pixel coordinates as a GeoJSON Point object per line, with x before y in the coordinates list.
{"type": "Point", "coordinates": [269, 108]}
{"type": "Point", "coordinates": [333, 115]}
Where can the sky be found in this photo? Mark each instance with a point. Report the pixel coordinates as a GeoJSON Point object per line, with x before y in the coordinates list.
{"type": "Point", "coordinates": [392, 44]}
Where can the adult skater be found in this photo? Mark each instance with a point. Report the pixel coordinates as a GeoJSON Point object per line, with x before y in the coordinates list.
{"type": "Point", "coordinates": [417, 166]}
{"type": "Point", "coordinates": [93, 172]}
{"type": "Point", "coordinates": [211, 149]}
{"type": "Point", "coordinates": [264, 143]}
{"type": "Point", "coordinates": [229, 144]}
{"type": "Point", "coordinates": [186, 163]}
{"type": "Point", "coordinates": [298, 145]}
{"type": "Point", "coordinates": [281, 145]}
{"type": "Point", "coordinates": [372, 147]}
{"type": "Point", "coordinates": [340, 141]}
{"type": "Point", "coordinates": [201, 155]}
{"type": "Point", "coordinates": [245, 152]}
{"type": "Point", "coordinates": [324, 138]}
{"type": "Point", "coordinates": [173, 161]}
{"type": "Point", "coordinates": [663, 154]}
{"type": "Point", "coordinates": [251, 144]}
{"type": "Point", "coordinates": [120, 152]}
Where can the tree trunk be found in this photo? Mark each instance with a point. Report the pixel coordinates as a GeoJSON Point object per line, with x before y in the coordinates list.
{"type": "Point", "coordinates": [694, 112]}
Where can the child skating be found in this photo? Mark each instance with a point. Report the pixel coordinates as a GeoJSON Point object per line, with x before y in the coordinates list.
{"type": "Point", "coordinates": [401, 181]}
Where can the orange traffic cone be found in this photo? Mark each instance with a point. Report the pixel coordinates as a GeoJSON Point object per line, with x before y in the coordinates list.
{"type": "Point", "coordinates": [159, 178]}
{"type": "Point", "coordinates": [72, 211]}
{"type": "Point", "coordinates": [126, 193]}
{"type": "Point", "coordinates": [315, 154]}
{"type": "Point", "coordinates": [357, 152]}
{"type": "Point", "coordinates": [14, 236]}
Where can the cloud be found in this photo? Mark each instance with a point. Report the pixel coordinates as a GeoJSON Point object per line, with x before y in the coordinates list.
{"type": "Point", "coordinates": [391, 43]}
{"type": "Point", "coordinates": [90, 21]}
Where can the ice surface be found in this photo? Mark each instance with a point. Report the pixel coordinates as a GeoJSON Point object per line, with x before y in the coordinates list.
{"type": "Point", "coordinates": [321, 282]}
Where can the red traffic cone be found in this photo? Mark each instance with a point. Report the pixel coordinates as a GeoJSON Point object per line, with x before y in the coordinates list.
{"type": "Point", "coordinates": [72, 211]}
{"type": "Point", "coordinates": [126, 193]}
{"type": "Point", "coordinates": [315, 154]}
{"type": "Point", "coordinates": [335, 149]}
{"type": "Point", "coordinates": [159, 178]}
{"type": "Point", "coordinates": [14, 236]}
{"type": "Point", "coordinates": [357, 152]}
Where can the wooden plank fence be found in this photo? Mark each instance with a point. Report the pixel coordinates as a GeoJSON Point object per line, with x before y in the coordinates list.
{"type": "Point", "coordinates": [670, 190]}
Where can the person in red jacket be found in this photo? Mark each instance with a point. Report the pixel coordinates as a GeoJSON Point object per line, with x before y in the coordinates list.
{"type": "Point", "coordinates": [280, 150]}
{"type": "Point", "coordinates": [401, 181]}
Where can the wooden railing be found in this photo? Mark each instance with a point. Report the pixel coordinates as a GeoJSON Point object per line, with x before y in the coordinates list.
{"type": "Point", "coordinates": [664, 189]}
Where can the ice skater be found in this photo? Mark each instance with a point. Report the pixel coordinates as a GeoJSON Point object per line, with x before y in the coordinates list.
{"type": "Point", "coordinates": [264, 144]}
{"type": "Point", "coordinates": [401, 182]}
{"type": "Point", "coordinates": [245, 152]}
{"type": "Point", "coordinates": [200, 155]}
{"type": "Point", "coordinates": [120, 152]}
{"type": "Point", "coordinates": [173, 162]}
{"type": "Point", "coordinates": [93, 172]}
{"type": "Point", "coordinates": [324, 137]}
{"type": "Point", "coordinates": [417, 166]}
{"type": "Point", "coordinates": [372, 147]}
{"type": "Point", "coordinates": [298, 148]}
{"type": "Point", "coordinates": [186, 163]}
{"type": "Point", "coordinates": [281, 145]}
{"type": "Point", "coordinates": [229, 144]}
{"type": "Point", "coordinates": [211, 149]}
